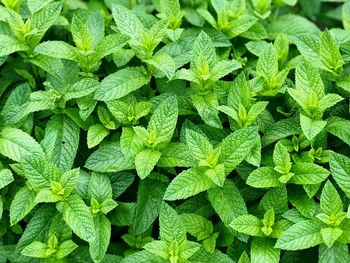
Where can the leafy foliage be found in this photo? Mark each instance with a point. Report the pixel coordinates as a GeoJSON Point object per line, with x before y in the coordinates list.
{"type": "Point", "coordinates": [174, 131]}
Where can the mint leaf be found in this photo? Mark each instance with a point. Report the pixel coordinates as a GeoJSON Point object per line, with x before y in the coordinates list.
{"type": "Point", "coordinates": [121, 83]}
{"type": "Point", "coordinates": [78, 217]}
{"type": "Point", "coordinates": [302, 235]}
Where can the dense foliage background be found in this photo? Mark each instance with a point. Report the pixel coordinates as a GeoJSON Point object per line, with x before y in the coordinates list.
{"type": "Point", "coordinates": [174, 131]}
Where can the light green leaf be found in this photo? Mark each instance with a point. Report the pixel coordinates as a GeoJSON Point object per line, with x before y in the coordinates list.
{"type": "Point", "coordinates": [57, 49]}
{"type": "Point", "coordinates": [308, 173]}
{"type": "Point", "coordinates": [198, 226]}
{"type": "Point", "coordinates": [163, 62]}
{"type": "Point", "coordinates": [109, 158]}
{"type": "Point", "coordinates": [302, 235]}
{"type": "Point", "coordinates": [110, 44]}
{"type": "Point", "coordinates": [5, 178]}
{"type": "Point", "coordinates": [78, 217]}
{"type": "Point", "coordinates": [307, 78]}
{"type": "Point", "coordinates": [39, 171]}
{"type": "Point", "coordinates": [98, 247]}
{"type": "Point", "coordinates": [61, 141]}
{"type": "Point", "coordinates": [121, 83]}
{"type": "Point", "coordinates": [198, 144]}
{"type": "Point", "coordinates": [9, 45]}
{"type": "Point", "coordinates": [43, 19]}
{"type": "Point", "coordinates": [203, 48]}
{"type": "Point", "coordinates": [337, 253]}
{"type": "Point", "coordinates": [330, 235]}
{"type": "Point", "coordinates": [340, 168]}
{"type": "Point", "coordinates": [227, 202]}
{"type": "Point", "coordinates": [96, 134]}
{"type": "Point", "coordinates": [145, 161]}
{"type": "Point", "coordinates": [171, 227]}
{"type": "Point", "coordinates": [22, 204]}
{"type": "Point", "coordinates": [14, 144]}
{"type": "Point", "coordinates": [65, 248]}
{"type": "Point", "coordinates": [80, 89]}
{"type": "Point", "coordinates": [311, 127]}
{"type": "Point", "coordinates": [100, 187]}
{"type": "Point", "coordinates": [164, 119]}
{"type": "Point", "coordinates": [188, 183]}
{"type": "Point", "coordinates": [236, 147]}
{"type": "Point", "coordinates": [37, 250]}
{"type": "Point", "coordinates": [263, 177]}
{"type": "Point", "coordinates": [262, 250]}
{"type": "Point", "coordinates": [267, 66]}
{"type": "Point", "coordinates": [148, 204]}
{"type": "Point", "coordinates": [248, 224]}
{"type": "Point", "coordinates": [159, 248]}
{"type": "Point", "coordinates": [127, 22]}
{"type": "Point", "coordinates": [329, 51]}
{"type": "Point", "coordinates": [176, 154]}
{"type": "Point", "coordinates": [330, 201]}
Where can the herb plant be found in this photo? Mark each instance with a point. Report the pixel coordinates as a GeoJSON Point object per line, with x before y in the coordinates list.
{"type": "Point", "coordinates": [154, 131]}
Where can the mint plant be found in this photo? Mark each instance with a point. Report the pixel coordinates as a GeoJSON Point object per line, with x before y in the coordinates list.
{"type": "Point", "coordinates": [174, 131]}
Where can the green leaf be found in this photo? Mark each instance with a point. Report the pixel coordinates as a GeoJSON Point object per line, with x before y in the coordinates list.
{"type": "Point", "coordinates": [207, 108]}
{"type": "Point", "coordinates": [148, 204]}
{"type": "Point", "coordinates": [262, 250]}
{"type": "Point", "coordinates": [197, 226]}
{"type": "Point", "coordinates": [291, 25]}
{"type": "Point", "coordinates": [311, 127]}
{"type": "Point", "coordinates": [110, 44]}
{"type": "Point", "coordinates": [302, 235]}
{"type": "Point", "coordinates": [96, 134]}
{"type": "Point", "coordinates": [15, 144]}
{"type": "Point", "coordinates": [329, 51]}
{"type": "Point", "coordinates": [37, 250]}
{"type": "Point", "coordinates": [57, 49]}
{"type": "Point", "coordinates": [78, 217]}
{"type": "Point", "coordinates": [61, 141]}
{"type": "Point", "coordinates": [203, 48]}
{"type": "Point", "coordinates": [158, 247]}
{"type": "Point", "coordinates": [330, 235]}
{"type": "Point", "coordinates": [163, 62]}
{"type": "Point", "coordinates": [337, 253]}
{"type": "Point", "coordinates": [39, 172]}
{"type": "Point", "coordinates": [5, 178]}
{"type": "Point", "coordinates": [38, 227]}
{"type": "Point", "coordinates": [188, 183]}
{"type": "Point", "coordinates": [308, 173]}
{"type": "Point", "coordinates": [98, 247]}
{"type": "Point", "coordinates": [109, 158]}
{"type": "Point", "coordinates": [227, 202]}
{"type": "Point", "coordinates": [9, 45]}
{"type": "Point", "coordinates": [176, 154]}
{"type": "Point", "coordinates": [43, 19]}
{"type": "Point", "coordinates": [331, 204]}
{"type": "Point", "coordinates": [171, 227]}
{"type": "Point", "coordinates": [164, 119]}
{"type": "Point", "coordinates": [247, 224]}
{"type": "Point", "coordinates": [127, 22]}
{"type": "Point", "coordinates": [264, 177]}
{"type": "Point", "coordinates": [340, 168]}
{"type": "Point", "coordinates": [236, 147]}
{"type": "Point", "coordinates": [121, 83]}
{"type": "Point", "coordinates": [307, 78]}
{"type": "Point", "coordinates": [198, 144]}
{"type": "Point", "coordinates": [100, 187]}
{"type": "Point", "coordinates": [145, 161]}
{"type": "Point", "coordinates": [81, 88]}
{"type": "Point", "coordinates": [65, 248]}
{"type": "Point", "coordinates": [22, 204]}
{"type": "Point", "coordinates": [267, 66]}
